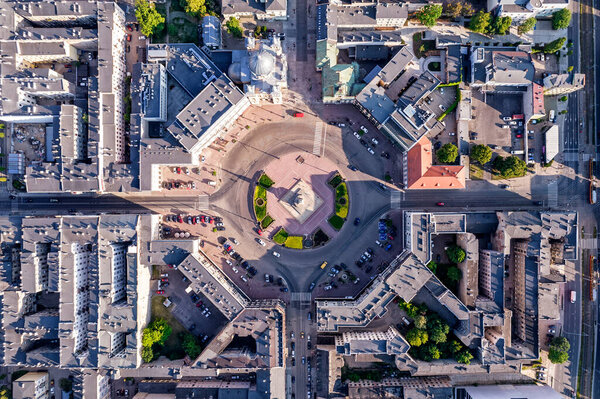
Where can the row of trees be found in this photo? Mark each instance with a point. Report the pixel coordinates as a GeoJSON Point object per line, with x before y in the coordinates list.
{"type": "Point", "coordinates": [484, 22]}
{"type": "Point", "coordinates": [429, 338]}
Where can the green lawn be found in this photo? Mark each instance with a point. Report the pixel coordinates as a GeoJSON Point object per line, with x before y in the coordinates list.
{"type": "Point", "coordinates": [260, 211]}
{"type": "Point", "coordinates": [420, 47]}
{"type": "Point", "coordinates": [475, 171]}
{"type": "Point", "coordinates": [172, 348]}
{"type": "Point", "coordinates": [266, 221]}
{"type": "Point", "coordinates": [265, 181]}
{"type": "Point", "coordinates": [335, 180]}
{"type": "Point", "coordinates": [280, 236]}
{"type": "Point", "coordinates": [341, 201]}
{"type": "Point", "coordinates": [336, 221]}
{"type": "Point", "coordinates": [294, 242]}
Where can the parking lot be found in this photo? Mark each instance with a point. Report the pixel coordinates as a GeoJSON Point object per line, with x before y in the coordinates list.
{"type": "Point", "coordinates": [198, 316]}
{"type": "Point", "coordinates": [487, 126]}
{"type": "Point", "coordinates": [187, 179]}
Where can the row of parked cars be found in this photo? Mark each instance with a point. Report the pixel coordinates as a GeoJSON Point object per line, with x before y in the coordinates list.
{"type": "Point", "coordinates": [373, 142]}
{"type": "Point", "coordinates": [176, 184]}
{"type": "Point", "coordinates": [199, 304]}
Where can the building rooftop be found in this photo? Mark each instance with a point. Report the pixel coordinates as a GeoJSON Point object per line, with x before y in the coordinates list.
{"type": "Point", "coordinates": [422, 174]}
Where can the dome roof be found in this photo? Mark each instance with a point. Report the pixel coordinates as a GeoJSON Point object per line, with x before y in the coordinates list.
{"type": "Point", "coordinates": [262, 63]}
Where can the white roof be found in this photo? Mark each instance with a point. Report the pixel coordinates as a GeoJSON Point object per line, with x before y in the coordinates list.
{"type": "Point", "coordinates": [552, 148]}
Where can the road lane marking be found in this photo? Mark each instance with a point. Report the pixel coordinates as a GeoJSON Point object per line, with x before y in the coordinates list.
{"type": "Point", "coordinates": [553, 194]}
{"type": "Point", "coordinates": [396, 199]}
{"type": "Point", "coordinates": [202, 203]}
{"type": "Point", "coordinates": [300, 296]}
{"type": "Point", "coordinates": [318, 136]}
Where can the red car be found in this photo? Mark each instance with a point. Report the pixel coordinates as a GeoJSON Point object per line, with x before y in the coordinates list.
{"type": "Point", "coordinates": [519, 136]}
{"type": "Point", "coordinates": [193, 220]}
{"type": "Point", "coordinates": [179, 218]}
{"type": "Point", "coordinates": [298, 114]}
{"type": "Point", "coordinates": [164, 280]}
{"type": "Point", "coordinates": [178, 170]}
{"type": "Point", "coordinates": [160, 292]}
{"type": "Point", "coordinates": [129, 28]}
{"type": "Point", "coordinates": [440, 204]}
{"type": "Point", "coordinates": [170, 266]}
{"type": "Point", "coordinates": [202, 218]}
{"type": "Point", "coordinates": [259, 232]}
{"type": "Point", "coordinates": [128, 38]}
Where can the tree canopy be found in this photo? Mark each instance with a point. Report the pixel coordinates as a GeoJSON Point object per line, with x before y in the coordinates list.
{"type": "Point", "coordinates": [147, 16]}
{"type": "Point", "coordinates": [191, 346]}
{"type": "Point", "coordinates": [447, 154]}
{"type": "Point", "coordinates": [157, 334]}
{"type": "Point", "coordinates": [234, 27]}
{"type": "Point", "coordinates": [420, 322]}
{"type": "Point", "coordinates": [456, 254]}
{"type": "Point", "coordinates": [194, 7]}
{"type": "Point", "coordinates": [500, 25]}
{"type": "Point", "coordinates": [510, 167]}
{"type": "Point", "coordinates": [554, 45]}
{"type": "Point", "coordinates": [559, 350]}
{"type": "Point", "coordinates": [454, 274]}
{"type": "Point", "coordinates": [463, 357]}
{"type": "Point", "coordinates": [417, 337]}
{"type": "Point", "coordinates": [438, 330]}
{"type": "Point", "coordinates": [480, 22]}
{"type": "Point", "coordinates": [429, 14]}
{"type": "Point", "coordinates": [527, 25]}
{"type": "Point", "coordinates": [561, 19]}
{"type": "Point", "coordinates": [454, 9]}
{"type": "Point", "coordinates": [481, 153]}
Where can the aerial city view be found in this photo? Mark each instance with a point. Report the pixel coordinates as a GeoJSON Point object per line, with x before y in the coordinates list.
{"type": "Point", "coordinates": [289, 199]}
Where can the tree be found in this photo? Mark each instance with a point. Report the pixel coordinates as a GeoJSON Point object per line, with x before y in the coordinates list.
{"type": "Point", "coordinates": [420, 322]}
{"type": "Point", "coordinates": [454, 274]}
{"type": "Point", "coordinates": [456, 254]}
{"type": "Point", "coordinates": [559, 350]}
{"type": "Point", "coordinates": [194, 7]}
{"type": "Point", "coordinates": [570, 68]}
{"type": "Point", "coordinates": [481, 153]}
{"type": "Point", "coordinates": [147, 16]}
{"type": "Point", "coordinates": [234, 27]}
{"type": "Point", "coordinates": [431, 352]}
{"type": "Point", "coordinates": [432, 266]}
{"type": "Point", "coordinates": [437, 330]}
{"type": "Point", "coordinates": [480, 22]}
{"type": "Point", "coordinates": [500, 25]}
{"type": "Point", "coordinates": [447, 154]}
{"type": "Point", "coordinates": [467, 10]}
{"type": "Point", "coordinates": [416, 337]}
{"type": "Point", "coordinates": [463, 357]}
{"type": "Point", "coordinates": [65, 384]}
{"type": "Point", "coordinates": [563, 98]}
{"type": "Point", "coordinates": [163, 328]}
{"type": "Point", "coordinates": [527, 25]}
{"type": "Point", "coordinates": [454, 347]}
{"type": "Point", "coordinates": [5, 393]}
{"type": "Point", "coordinates": [454, 9]}
{"type": "Point", "coordinates": [510, 167]}
{"type": "Point", "coordinates": [147, 354]}
{"type": "Point", "coordinates": [191, 346]}
{"type": "Point", "coordinates": [561, 19]}
{"type": "Point", "coordinates": [429, 14]}
{"type": "Point", "coordinates": [554, 45]}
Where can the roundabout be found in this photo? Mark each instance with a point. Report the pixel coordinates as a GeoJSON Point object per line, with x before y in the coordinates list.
{"type": "Point", "coordinates": [267, 150]}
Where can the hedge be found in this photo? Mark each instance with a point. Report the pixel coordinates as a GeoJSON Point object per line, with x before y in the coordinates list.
{"type": "Point", "coordinates": [452, 106]}
{"type": "Point", "coordinates": [266, 222]}
{"type": "Point", "coordinates": [294, 242]}
{"type": "Point", "coordinates": [336, 222]}
{"type": "Point", "coordinates": [341, 210]}
{"type": "Point", "coordinates": [335, 180]}
{"type": "Point", "coordinates": [260, 211]}
{"type": "Point", "coordinates": [265, 181]}
{"type": "Point", "coordinates": [280, 236]}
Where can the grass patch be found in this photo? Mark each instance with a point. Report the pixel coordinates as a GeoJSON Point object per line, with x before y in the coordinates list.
{"type": "Point", "coordinates": [260, 210]}
{"type": "Point", "coordinates": [320, 238]}
{"type": "Point", "coordinates": [336, 222]}
{"type": "Point", "coordinates": [155, 272]}
{"type": "Point", "coordinates": [341, 201]}
{"type": "Point", "coordinates": [265, 181]}
{"type": "Point", "coordinates": [266, 221]}
{"type": "Point", "coordinates": [475, 171]}
{"type": "Point", "coordinates": [294, 242]}
{"type": "Point", "coordinates": [434, 67]}
{"type": "Point", "coordinates": [335, 180]}
{"type": "Point", "coordinates": [420, 46]}
{"type": "Point", "coordinates": [172, 348]}
{"type": "Point", "coordinates": [280, 236]}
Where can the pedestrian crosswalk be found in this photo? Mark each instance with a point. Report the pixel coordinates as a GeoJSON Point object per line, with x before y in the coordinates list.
{"type": "Point", "coordinates": [553, 194]}
{"type": "Point", "coordinates": [202, 202]}
{"type": "Point", "coordinates": [318, 136]}
{"type": "Point", "coordinates": [300, 296]}
{"type": "Point", "coordinates": [396, 199]}
{"type": "Point", "coordinates": [589, 243]}
{"type": "Point", "coordinates": [570, 156]}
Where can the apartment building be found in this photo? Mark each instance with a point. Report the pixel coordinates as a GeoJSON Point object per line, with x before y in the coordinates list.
{"type": "Point", "coordinates": [33, 385]}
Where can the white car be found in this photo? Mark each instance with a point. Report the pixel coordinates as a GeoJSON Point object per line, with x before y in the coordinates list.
{"type": "Point", "coordinates": [235, 270]}
{"type": "Point", "coordinates": [356, 135]}
{"type": "Point", "coordinates": [233, 240]}
{"type": "Point", "coordinates": [374, 141]}
{"type": "Point", "coordinates": [261, 242]}
{"type": "Point", "coordinates": [370, 151]}
{"type": "Point", "coordinates": [341, 125]}
{"type": "Point", "coordinates": [452, 134]}
{"type": "Point", "coordinates": [228, 262]}
{"type": "Point", "coordinates": [244, 278]}
{"type": "Point", "coordinates": [276, 254]}
{"type": "Point", "coordinates": [506, 118]}
{"type": "Point", "coordinates": [505, 127]}
{"type": "Point", "coordinates": [364, 129]}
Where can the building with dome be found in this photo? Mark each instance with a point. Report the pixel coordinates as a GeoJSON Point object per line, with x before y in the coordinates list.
{"type": "Point", "coordinates": [262, 70]}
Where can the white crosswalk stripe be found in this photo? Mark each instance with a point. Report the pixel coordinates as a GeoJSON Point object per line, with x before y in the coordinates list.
{"type": "Point", "coordinates": [589, 243]}
{"type": "Point", "coordinates": [396, 199]}
{"type": "Point", "coordinates": [318, 135]}
{"type": "Point", "coordinates": [553, 194]}
{"type": "Point", "coordinates": [570, 156]}
{"type": "Point", "coordinates": [301, 296]}
{"type": "Point", "coordinates": [202, 202]}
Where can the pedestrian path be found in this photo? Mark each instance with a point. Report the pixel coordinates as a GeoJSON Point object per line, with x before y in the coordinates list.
{"type": "Point", "coordinates": [300, 296]}
{"type": "Point", "coordinates": [553, 194]}
{"type": "Point", "coordinates": [318, 136]}
{"type": "Point", "coordinates": [396, 199]}
{"type": "Point", "coordinates": [202, 202]}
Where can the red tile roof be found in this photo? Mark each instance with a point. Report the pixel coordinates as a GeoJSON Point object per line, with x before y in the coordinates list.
{"type": "Point", "coordinates": [422, 174]}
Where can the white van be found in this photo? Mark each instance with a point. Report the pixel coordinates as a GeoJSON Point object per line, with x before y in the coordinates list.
{"type": "Point", "coordinates": [212, 183]}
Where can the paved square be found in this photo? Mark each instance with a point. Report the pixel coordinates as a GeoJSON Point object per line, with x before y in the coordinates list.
{"type": "Point", "coordinates": [301, 201]}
